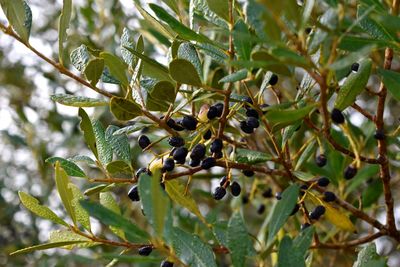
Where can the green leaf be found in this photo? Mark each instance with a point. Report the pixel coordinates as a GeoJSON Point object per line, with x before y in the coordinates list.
{"type": "Point", "coordinates": [151, 67]}
{"type": "Point", "coordinates": [160, 96]}
{"type": "Point", "coordinates": [63, 26]}
{"type": "Point", "coordinates": [282, 210]}
{"type": "Point", "coordinates": [234, 77]}
{"type": "Point", "coordinates": [103, 147]}
{"type": "Point", "coordinates": [281, 118]}
{"type": "Point", "coordinates": [201, 8]}
{"type": "Point", "coordinates": [239, 243]}
{"type": "Point", "coordinates": [108, 201]}
{"type": "Point", "coordinates": [176, 191]}
{"type": "Point", "coordinates": [119, 143]}
{"type": "Point", "coordinates": [354, 85]}
{"type": "Point", "coordinates": [70, 167]}
{"type": "Point", "coordinates": [116, 66]}
{"type": "Point", "coordinates": [391, 79]}
{"type": "Point", "coordinates": [274, 65]}
{"type": "Point", "coordinates": [120, 169]}
{"type": "Point", "coordinates": [242, 39]}
{"type": "Point", "coordinates": [81, 214]}
{"type": "Point", "coordinates": [371, 26]}
{"type": "Point", "coordinates": [362, 175]}
{"type": "Point", "coordinates": [349, 59]}
{"type": "Point", "coordinates": [303, 241]}
{"type": "Point", "coordinates": [78, 101]}
{"type": "Point", "coordinates": [68, 235]}
{"type": "Point", "coordinates": [191, 250]}
{"type": "Point", "coordinates": [33, 205]}
{"type": "Point", "coordinates": [290, 57]}
{"type": "Point", "coordinates": [371, 194]}
{"type": "Point", "coordinates": [94, 70]}
{"type": "Point", "coordinates": [127, 41]}
{"type": "Point", "coordinates": [97, 189]}
{"type": "Point", "coordinates": [287, 255]}
{"type": "Point", "coordinates": [153, 22]}
{"type": "Point", "coordinates": [133, 232]}
{"type": "Point", "coordinates": [80, 57]}
{"type": "Point", "coordinates": [251, 156]}
{"type": "Point", "coordinates": [173, 5]}
{"type": "Point", "coordinates": [88, 133]}
{"type": "Point", "coordinates": [156, 204]}
{"type": "Point", "coordinates": [220, 7]}
{"type": "Point", "coordinates": [45, 246]}
{"type": "Point", "coordinates": [305, 155]}
{"type": "Point", "coordinates": [64, 191]}
{"type": "Point", "coordinates": [184, 72]}
{"type": "Point", "coordinates": [124, 109]}
{"type": "Point", "coordinates": [368, 255]}
{"type": "Point", "coordinates": [304, 176]}
{"type": "Point", "coordinates": [188, 51]}
{"type": "Point", "coordinates": [178, 27]}
{"type": "Point", "coordinates": [215, 53]}
{"type": "Point", "coordinates": [18, 17]}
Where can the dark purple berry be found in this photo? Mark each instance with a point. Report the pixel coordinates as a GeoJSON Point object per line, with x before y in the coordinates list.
{"type": "Point", "coordinates": [212, 113]}
{"type": "Point", "coordinates": [246, 128]}
{"type": "Point", "coordinates": [329, 196]}
{"type": "Point", "coordinates": [247, 100]}
{"type": "Point", "coordinates": [273, 80]}
{"type": "Point", "coordinates": [323, 181]}
{"type": "Point", "coordinates": [337, 116]}
{"type": "Point", "coordinates": [166, 264]}
{"type": "Point", "coordinates": [223, 180]}
{"type": "Point", "coordinates": [142, 170]}
{"type": "Point", "coordinates": [350, 172]}
{"type": "Point", "coordinates": [267, 193]}
{"type": "Point", "coordinates": [207, 135]}
{"type": "Point", "coordinates": [245, 199]}
{"type": "Point", "coordinates": [250, 112]}
{"type": "Point", "coordinates": [208, 163]}
{"type": "Point", "coordinates": [218, 154]}
{"type": "Point", "coordinates": [321, 160]}
{"type": "Point", "coordinates": [194, 163]}
{"type": "Point", "coordinates": [261, 209]}
{"type": "Point", "coordinates": [219, 193]}
{"type": "Point", "coordinates": [278, 195]}
{"type": "Point", "coordinates": [144, 141]}
{"type": "Point", "coordinates": [220, 109]}
{"type": "Point", "coordinates": [379, 134]}
{"type": "Point", "coordinates": [252, 122]}
{"type": "Point", "coordinates": [168, 165]}
{"type": "Point", "coordinates": [216, 145]}
{"type": "Point", "coordinates": [317, 212]}
{"type": "Point", "coordinates": [177, 126]}
{"type": "Point", "coordinates": [295, 209]}
{"type": "Point", "coordinates": [189, 123]}
{"type": "Point", "coordinates": [304, 226]}
{"type": "Point", "coordinates": [248, 173]}
{"type": "Point", "coordinates": [198, 152]}
{"type": "Point", "coordinates": [180, 153]}
{"type": "Point", "coordinates": [145, 250]}
{"type": "Point", "coordinates": [133, 193]}
{"type": "Point", "coordinates": [235, 189]}
{"type": "Point", "coordinates": [176, 141]}
{"type": "Point", "coordinates": [263, 107]}
{"type": "Point", "coordinates": [308, 30]}
{"type": "Point", "coordinates": [355, 66]}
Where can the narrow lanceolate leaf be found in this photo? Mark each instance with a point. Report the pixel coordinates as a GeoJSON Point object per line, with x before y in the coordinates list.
{"type": "Point", "coordinates": [191, 250]}
{"type": "Point", "coordinates": [288, 56]}
{"type": "Point", "coordinates": [160, 96]}
{"type": "Point", "coordinates": [80, 57]}
{"type": "Point", "coordinates": [64, 191]}
{"type": "Point", "coordinates": [108, 201]}
{"type": "Point", "coordinates": [68, 235]}
{"type": "Point", "coordinates": [82, 216]}
{"type": "Point", "coordinates": [63, 25]}
{"type": "Point", "coordinates": [303, 241]}
{"type": "Point", "coordinates": [124, 109]}
{"type": "Point", "coordinates": [282, 210]}
{"type": "Point", "coordinates": [282, 118]}
{"type": "Point", "coordinates": [184, 72]}
{"type": "Point", "coordinates": [391, 79]}
{"type": "Point", "coordinates": [242, 39]}
{"type": "Point", "coordinates": [234, 77]}
{"type": "Point", "coordinates": [176, 192]}
{"type": "Point", "coordinates": [251, 156]}
{"type": "Point", "coordinates": [188, 51]}
{"type": "Point", "coordinates": [103, 147]}
{"type": "Point", "coordinates": [156, 204]}
{"type": "Point", "coordinates": [128, 41]}
{"type": "Point", "coordinates": [34, 206]}
{"type": "Point", "coordinates": [332, 214]}
{"type": "Point", "coordinates": [371, 26]}
{"type": "Point", "coordinates": [88, 134]}
{"type": "Point", "coordinates": [116, 66]}
{"type": "Point", "coordinates": [94, 70]}
{"type": "Point", "coordinates": [178, 27]}
{"type": "Point", "coordinates": [368, 257]}
{"type": "Point", "coordinates": [16, 14]}
{"type": "Point", "coordinates": [119, 143]}
{"type": "Point", "coordinates": [78, 101]}
{"type": "Point", "coordinates": [104, 215]}
{"type": "Point", "coordinates": [239, 241]}
{"type": "Point", "coordinates": [119, 168]}
{"type": "Point", "coordinates": [354, 85]}
{"type": "Point", "coordinates": [220, 7]}
{"type": "Point", "coordinates": [287, 255]}
{"type": "Point", "coordinates": [70, 167]}
{"type": "Point", "coordinates": [45, 246]}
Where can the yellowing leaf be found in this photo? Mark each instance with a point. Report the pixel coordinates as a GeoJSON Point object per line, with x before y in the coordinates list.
{"type": "Point", "coordinates": [64, 191]}
{"type": "Point", "coordinates": [333, 215]}
{"type": "Point", "coordinates": [176, 192]}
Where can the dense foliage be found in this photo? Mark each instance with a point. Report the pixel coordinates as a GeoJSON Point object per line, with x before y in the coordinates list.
{"type": "Point", "coordinates": [243, 133]}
